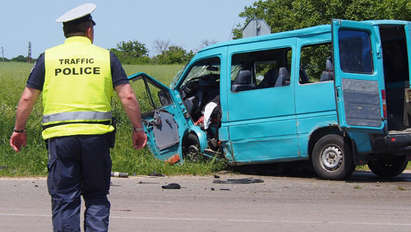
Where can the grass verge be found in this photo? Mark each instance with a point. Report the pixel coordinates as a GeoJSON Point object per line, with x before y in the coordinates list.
{"type": "Point", "coordinates": [32, 160]}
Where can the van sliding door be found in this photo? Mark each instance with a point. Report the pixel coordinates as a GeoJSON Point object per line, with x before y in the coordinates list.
{"type": "Point", "coordinates": [359, 82]}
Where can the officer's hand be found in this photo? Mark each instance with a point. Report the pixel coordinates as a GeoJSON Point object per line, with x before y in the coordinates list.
{"type": "Point", "coordinates": [139, 139]}
{"type": "Point", "coordinates": [18, 140]}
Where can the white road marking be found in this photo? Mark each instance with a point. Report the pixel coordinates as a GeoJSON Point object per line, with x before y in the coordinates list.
{"type": "Point", "coordinates": [236, 220]}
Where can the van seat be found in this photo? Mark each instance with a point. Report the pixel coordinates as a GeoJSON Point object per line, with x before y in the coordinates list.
{"type": "Point", "coordinates": [283, 77]}
{"type": "Point", "coordinates": [243, 81]}
{"type": "Point", "coordinates": [328, 74]}
{"type": "Point", "coordinates": [304, 78]}
{"type": "Point", "coordinates": [270, 77]}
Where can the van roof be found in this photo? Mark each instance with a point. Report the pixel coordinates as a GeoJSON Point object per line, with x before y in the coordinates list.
{"type": "Point", "coordinates": [279, 35]}
{"type": "Point", "coordinates": [294, 33]}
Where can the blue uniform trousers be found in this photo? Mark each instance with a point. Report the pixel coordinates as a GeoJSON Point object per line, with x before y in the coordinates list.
{"type": "Point", "coordinates": [79, 165]}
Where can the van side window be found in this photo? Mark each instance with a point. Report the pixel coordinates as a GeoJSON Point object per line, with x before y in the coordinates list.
{"type": "Point", "coordinates": [355, 51]}
{"type": "Point", "coordinates": [316, 63]}
{"type": "Point", "coordinates": [262, 69]}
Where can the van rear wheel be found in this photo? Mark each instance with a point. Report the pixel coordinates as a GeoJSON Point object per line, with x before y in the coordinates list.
{"type": "Point", "coordinates": [332, 158]}
{"type": "Point", "coordinates": [388, 166]}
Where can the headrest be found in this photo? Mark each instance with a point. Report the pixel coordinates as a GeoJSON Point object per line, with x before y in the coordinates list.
{"type": "Point", "coordinates": [329, 65]}
{"type": "Point", "coordinates": [243, 77]}
{"type": "Point", "coordinates": [283, 71]}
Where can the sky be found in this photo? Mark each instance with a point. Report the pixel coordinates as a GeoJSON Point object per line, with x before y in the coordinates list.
{"type": "Point", "coordinates": [184, 23]}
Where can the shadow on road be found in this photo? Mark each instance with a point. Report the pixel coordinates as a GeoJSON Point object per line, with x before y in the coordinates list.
{"type": "Point", "coordinates": [299, 169]}
{"type": "Point", "coordinates": [369, 177]}
{"type": "Point", "coordinates": [304, 170]}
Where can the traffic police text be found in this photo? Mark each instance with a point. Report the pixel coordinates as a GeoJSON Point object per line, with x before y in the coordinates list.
{"type": "Point", "coordinates": [78, 70]}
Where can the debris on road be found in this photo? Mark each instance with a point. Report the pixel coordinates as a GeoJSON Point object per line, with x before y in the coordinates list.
{"type": "Point", "coordinates": [171, 186]}
{"type": "Point", "coordinates": [125, 210]}
{"type": "Point", "coordinates": [221, 189]}
{"type": "Point", "coordinates": [154, 173]}
{"type": "Point", "coordinates": [145, 182]}
{"type": "Point", "coordinates": [119, 174]}
{"type": "Point", "coordinates": [239, 181]}
{"type": "Point", "coordinates": [173, 159]}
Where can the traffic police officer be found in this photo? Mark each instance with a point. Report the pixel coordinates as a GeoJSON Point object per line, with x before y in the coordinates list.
{"type": "Point", "coordinates": [77, 80]}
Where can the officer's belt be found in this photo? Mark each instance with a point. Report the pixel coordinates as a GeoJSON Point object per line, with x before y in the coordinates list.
{"type": "Point", "coordinates": [85, 122]}
{"type": "Point", "coordinates": [79, 115]}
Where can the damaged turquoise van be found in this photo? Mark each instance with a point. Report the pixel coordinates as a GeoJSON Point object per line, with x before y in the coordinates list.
{"type": "Point", "coordinates": [338, 95]}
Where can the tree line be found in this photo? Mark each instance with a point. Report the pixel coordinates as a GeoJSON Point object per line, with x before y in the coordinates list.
{"type": "Point", "coordinates": [19, 58]}
{"type": "Point", "coordinates": [135, 52]}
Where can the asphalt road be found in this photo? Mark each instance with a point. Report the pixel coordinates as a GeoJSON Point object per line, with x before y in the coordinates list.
{"type": "Point", "coordinates": [363, 203]}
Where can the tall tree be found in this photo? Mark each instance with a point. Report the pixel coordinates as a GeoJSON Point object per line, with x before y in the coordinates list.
{"type": "Point", "coordinates": [131, 52]}
{"type": "Point", "coordinates": [132, 48]}
{"type": "Point", "coordinates": [284, 15]}
{"type": "Point", "coordinates": [174, 55]}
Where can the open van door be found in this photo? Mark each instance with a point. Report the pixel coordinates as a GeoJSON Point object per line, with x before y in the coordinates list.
{"type": "Point", "coordinates": [359, 83]}
{"type": "Point", "coordinates": [408, 41]}
{"type": "Point", "coordinates": [158, 116]}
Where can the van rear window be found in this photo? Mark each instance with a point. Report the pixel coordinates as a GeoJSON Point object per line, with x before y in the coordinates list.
{"type": "Point", "coordinates": [355, 51]}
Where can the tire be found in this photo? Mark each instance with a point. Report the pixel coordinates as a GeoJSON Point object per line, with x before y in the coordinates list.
{"type": "Point", "coordinates": [332, 158]}
{"type": "Point", "coordinates": [191, 149]}
{"type": "Point", "coordinates": [387, 167]}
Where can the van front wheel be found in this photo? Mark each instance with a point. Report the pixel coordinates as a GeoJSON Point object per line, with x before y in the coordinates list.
{"type": "Point", "coordinates": [332, 158]}
{"type": "Point", "coordinates": [191, 149]}
{"type": "Point", "coordinates": [388, 166]}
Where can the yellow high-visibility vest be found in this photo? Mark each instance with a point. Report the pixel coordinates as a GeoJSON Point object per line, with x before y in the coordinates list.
{"type": "Point", "coordinates": [77, 89]}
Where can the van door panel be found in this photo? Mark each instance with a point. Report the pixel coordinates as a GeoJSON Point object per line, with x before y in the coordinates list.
{"type": "Point", "coordinates": [165, 129]}
{"type": "Point", "coordinates": [362, 104]}
{"type": "Point", "coordinates": [315, 97]}
{"type": "Point", "coordinates": [358, 75]}
{"type": "Point", "coordinates": [162, 118]}
{"type": "Point", "coordinates": [264, 149]}
{"type": "Point", "coordinates": [162, 133]}
{"type": "Point", "coordinates": [262, 122]}
{"type": "Point", "coordinates": [315, 107]}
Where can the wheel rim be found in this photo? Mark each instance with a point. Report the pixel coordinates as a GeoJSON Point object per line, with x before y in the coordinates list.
{"type": "Point", "coordinates": [332, 158]}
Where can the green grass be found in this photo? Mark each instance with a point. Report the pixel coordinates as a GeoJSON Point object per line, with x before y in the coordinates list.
{"type": "Point", "coordinates": [32, 160]}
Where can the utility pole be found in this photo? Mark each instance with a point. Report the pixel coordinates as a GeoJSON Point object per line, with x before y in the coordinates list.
{"type": "Point", "coordinates": [29, 54]}
{"type": "Point", "coordinates": [2, 52]}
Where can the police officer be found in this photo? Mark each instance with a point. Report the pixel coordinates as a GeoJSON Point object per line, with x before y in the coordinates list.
{"type": "Point", "coordinates": [77, 80]}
